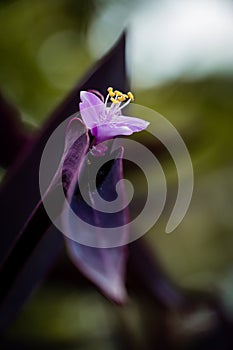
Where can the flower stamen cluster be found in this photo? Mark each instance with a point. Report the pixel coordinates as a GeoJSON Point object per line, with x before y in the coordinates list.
{"type": "Point", "coordinates": [117, 97]}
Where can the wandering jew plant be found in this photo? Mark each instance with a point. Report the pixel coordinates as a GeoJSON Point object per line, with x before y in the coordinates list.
{"type": "Point", "coordinates": [104, 266]}
{"type": "Point", "coordinates": [29, 244]}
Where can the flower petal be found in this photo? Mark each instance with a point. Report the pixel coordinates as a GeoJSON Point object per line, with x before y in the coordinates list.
{"type": "Point", "coordinates": [134, 124]}
{"type": "Point", "coordinates": [90, 107]}
{"type": "Point", "coordinates": [108, 131]}
{"type": "Point", "coordinates": [90, 98]}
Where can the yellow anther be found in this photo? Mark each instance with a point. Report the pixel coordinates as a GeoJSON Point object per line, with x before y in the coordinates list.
{"type": "Point", "coordinates": [121, 98]}
{"type": "Point", "coordinates": [118, 93]}
{"type": "Point", "coordinates": [114, 100]}
{"type": "Point", "coordinates": [117, 96]}
{"type": "Point", "coordinates": [110, 92]}
{"type": "Point", "coordinates": [131, 96]}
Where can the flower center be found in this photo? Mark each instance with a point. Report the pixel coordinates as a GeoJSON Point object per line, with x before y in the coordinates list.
{"type": "Point", "coordinates": [119, 100]}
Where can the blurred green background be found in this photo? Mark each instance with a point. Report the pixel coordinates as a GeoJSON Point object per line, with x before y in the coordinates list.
{"type": "Point", "coordinates": [180, 59]}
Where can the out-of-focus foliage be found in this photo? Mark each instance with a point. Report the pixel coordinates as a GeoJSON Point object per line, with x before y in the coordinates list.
{"type": "Point", "coordinates": [202, 112]}
{"type": "Point", "coordinates": [44, 50]}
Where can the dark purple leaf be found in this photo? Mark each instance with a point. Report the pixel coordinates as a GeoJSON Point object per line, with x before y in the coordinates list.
{"type": "Point", "coordinates": [103, 266]}
{"type": "Point", "coordinates": [13, 136]}
{"type": "Point", "coordinates": [30, 273]}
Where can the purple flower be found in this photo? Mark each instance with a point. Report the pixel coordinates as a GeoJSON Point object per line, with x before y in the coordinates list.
{"type": "Point", "coordinates": [105, 121]}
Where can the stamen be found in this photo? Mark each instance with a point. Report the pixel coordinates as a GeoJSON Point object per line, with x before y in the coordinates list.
{"type": "Point", "coordinates": [118, 93]}
{"type": "Point", "coordinates": [124, 105]}
{"type": "Point", "coordinates": [131, 96]}
{"type": "Point", "coordinates": [117, 97]}
{"type": "Point", "coordinates": [110, 91]}
{"type": "Point", "coordinates": [121, 98]}
{"type": "Point", "coordinates": [106, 100]}
{"type": "Point", "coordinates": [115, 101]}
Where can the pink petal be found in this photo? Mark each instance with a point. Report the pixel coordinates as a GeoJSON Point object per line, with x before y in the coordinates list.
{"type": "Point", "coordinates": [134, 124]}
{"type": "Point", "coordinates": [90, 107]}
{"type": "Point", "coordinates": [108, 131]}
{"type": "Point", "coordinates": [90, 98]}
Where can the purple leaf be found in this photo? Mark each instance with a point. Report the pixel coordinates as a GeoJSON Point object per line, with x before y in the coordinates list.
{"type": "Point", "coordinates": [76, 144]}
{"type": "Point", "coordinates": [17, 284]}
{"type": "Point", "coordinates": [103, 266]}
